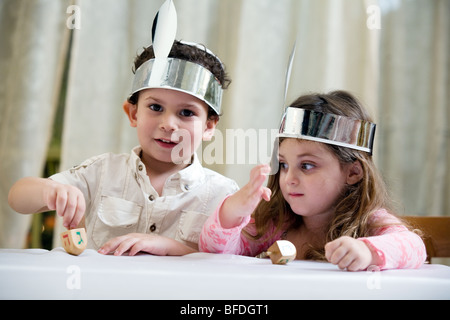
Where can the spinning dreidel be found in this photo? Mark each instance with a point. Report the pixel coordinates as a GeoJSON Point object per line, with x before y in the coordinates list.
{"type": "Point", "coordinates": [282, 252]}
{"type": "Point", "coordinates": [74, 241]}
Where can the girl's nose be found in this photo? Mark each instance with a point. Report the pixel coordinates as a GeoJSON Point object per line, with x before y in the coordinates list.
{"type": "Point", "coordinates": [291, 178]}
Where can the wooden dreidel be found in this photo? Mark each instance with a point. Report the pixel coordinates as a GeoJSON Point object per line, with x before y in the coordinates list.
{"type": "Point", "coordinates": [74, 241]}
{"type": "Point", "coordinates": [282, 252]}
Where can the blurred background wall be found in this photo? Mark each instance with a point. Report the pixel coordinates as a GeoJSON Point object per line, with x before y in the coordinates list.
{"type": "Point", "coordinates": [65, 71]}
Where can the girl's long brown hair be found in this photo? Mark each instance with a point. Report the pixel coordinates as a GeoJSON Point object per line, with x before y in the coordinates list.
{"type": "Point", "coordinates": [353, 209]}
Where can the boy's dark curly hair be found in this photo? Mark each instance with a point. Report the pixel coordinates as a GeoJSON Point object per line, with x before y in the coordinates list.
{"type": "Point", "coordinates": [190, 53]}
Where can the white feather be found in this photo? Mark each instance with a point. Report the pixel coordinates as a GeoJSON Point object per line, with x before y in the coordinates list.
{"type": "Point", "coordinates": [288, 73]}
{"type": "Point", "coordinates": [164, 36]}
{"type": "Point", "coordinates": [166, 30]}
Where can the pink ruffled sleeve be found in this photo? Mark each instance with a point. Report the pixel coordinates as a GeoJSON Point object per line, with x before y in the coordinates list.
{"type": "Point", "coordinates": [216, 239]}
{"type": "Point", "coordinates": [395, 245]}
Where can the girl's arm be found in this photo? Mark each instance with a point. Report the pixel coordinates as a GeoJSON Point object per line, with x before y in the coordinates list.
{"type": "Point", "coordinates": [222, 231]}
{"type": "Point", "coordinates": [392, 246]}
{"type": "Point", "coordinates": [244, 202]}
{"type": "Point", "coordinates": [32, 195]}
{"type": "Point", "coordinates": [395, 245]}
{"type": "Point", "coordinates": [215, 238]}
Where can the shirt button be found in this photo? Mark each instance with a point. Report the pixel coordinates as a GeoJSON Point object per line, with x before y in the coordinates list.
{"type": "Point", "coordinates": [140, 167]}
{"type": "Point", "coordinates": [152, 228]}
{"type": "Point", "coordinates": [186, 187]}
{"type": "Point", "coordinates": [151, 197]}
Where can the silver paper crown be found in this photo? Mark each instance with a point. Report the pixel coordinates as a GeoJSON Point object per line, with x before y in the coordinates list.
{"type": "Point", "coordinates": [328, 128]}
{"type": "Point", "coordinates": [172, 73]}
{"type": "Point", "coordinates": [181, 75]}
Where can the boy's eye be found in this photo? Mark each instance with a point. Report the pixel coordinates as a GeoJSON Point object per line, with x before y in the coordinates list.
{"type": "Point", "coordinates": [155, 107]}
{"type": "Point", "coordinates": [187, 113]}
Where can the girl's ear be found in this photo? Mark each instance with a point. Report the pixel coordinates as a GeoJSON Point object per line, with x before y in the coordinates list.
{"type": "Point", "coordinates": [354, 173]}
{"type": "Point", "coordinates": [131, 111]}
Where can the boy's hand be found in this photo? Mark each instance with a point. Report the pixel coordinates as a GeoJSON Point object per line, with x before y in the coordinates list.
{"type": "Point", "coordinates": [244, 201]}
{"type": "Point", "coordinates": [31, 195]}
{"type": "Point", "coordinates": [68, 201]}
{"type": "Point", "coordinates": [349, 253]}
{"type": "Point", "coordinates": [150, 243]}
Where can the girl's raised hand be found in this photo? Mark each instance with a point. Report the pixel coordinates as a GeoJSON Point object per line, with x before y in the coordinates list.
{"type": "Point", "coordinates": [244, 201]}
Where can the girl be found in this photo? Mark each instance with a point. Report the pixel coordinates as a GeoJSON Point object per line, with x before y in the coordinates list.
{"type": "Point", "coordinates": [327, 197]}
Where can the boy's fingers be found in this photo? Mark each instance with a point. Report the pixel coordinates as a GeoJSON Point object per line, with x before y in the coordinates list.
{"type": "Point", "coordinates": [137, 247]}
{"type": "Point", "coordinates": [70, 211]}
{"type": "Point", "coordinates": [61, 208]}
{"type": "Point", "coordinates": [51, 201]}
{"type": "Point", "coordinates": [110, 245]}
{"type": "Point", "coordinates": [125, 245]}
{"type": "Point", "coordinates": [79, 212]}
{"type": "Point", "coordinates": [60, 203]}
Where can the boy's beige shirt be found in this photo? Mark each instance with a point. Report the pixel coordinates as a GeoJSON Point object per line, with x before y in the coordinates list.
{"type": "Point", "coordinates": [120, 198]}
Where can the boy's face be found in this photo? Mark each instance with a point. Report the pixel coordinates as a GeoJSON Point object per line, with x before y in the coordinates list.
{"type": "Point", "coordinates": [170, 124]}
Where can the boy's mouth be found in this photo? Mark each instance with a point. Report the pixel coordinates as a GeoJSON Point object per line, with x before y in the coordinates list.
{"type": "Point", "coordinates": [166, 143]}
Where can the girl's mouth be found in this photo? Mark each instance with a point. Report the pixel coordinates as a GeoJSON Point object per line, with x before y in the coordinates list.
{"type": "Point", "coordinates": [296, 195]}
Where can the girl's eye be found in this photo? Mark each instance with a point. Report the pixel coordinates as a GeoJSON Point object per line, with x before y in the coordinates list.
{"type": "Point", "coordinates": [187, 113]}
{"type": "Point", "coordinates": [155, 107]}
{"type": "Point", "coordinates": [283, 166]}
{"type": "Point", "coordinates": [307, 166]}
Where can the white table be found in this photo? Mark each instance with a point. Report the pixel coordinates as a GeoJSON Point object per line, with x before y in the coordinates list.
{"type": "Point", "coordinates": [42, 274]}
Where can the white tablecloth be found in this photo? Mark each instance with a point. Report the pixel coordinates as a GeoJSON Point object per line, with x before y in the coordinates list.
{"type": "Point", "coordinates": [42, 274]}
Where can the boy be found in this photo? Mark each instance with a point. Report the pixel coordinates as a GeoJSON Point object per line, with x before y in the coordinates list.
{"type": "Point", "coordinates": [157, 198]}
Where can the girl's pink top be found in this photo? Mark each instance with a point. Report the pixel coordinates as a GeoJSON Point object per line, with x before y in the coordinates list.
{"type": "Point", "coordinates": [396, 246]}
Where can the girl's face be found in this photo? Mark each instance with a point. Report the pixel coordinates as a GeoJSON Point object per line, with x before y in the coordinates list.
{"type": "Point", "coordinates": [311, 177]}
{"type": "Point", "coordinates": [170, 124]}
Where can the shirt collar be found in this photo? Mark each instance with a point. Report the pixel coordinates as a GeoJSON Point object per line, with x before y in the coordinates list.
{"type": "Point", "coordinates": [188, 178]}
{"type": "Point", "coordinates": [191, 176]}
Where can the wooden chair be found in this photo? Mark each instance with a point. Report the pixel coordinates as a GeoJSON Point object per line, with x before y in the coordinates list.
{"type": "Point", "coordinates": [436, 234]}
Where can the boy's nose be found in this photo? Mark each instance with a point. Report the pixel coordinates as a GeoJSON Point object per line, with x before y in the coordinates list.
{"type": "Point", "coordinates": [168, 123]}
